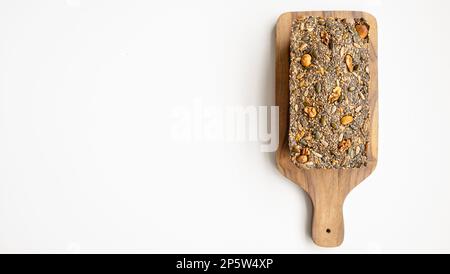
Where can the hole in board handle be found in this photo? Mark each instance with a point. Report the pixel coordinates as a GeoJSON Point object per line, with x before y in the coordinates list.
{"type": "Point", "coordinates": [328, 230]}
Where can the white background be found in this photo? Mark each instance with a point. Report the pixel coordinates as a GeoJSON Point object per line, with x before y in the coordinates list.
{"type": "Point", "coordinates": [87, 163]}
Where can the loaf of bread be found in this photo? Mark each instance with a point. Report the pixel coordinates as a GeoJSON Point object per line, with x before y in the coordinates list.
{"type": "Point", "coordinates": [329, 93]}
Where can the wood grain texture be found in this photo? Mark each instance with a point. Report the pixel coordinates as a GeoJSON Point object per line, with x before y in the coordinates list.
{"type": "Point", "coordinates": [327, 188]}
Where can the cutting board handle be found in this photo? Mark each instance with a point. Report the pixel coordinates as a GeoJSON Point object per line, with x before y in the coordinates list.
{"type": "Point", "coordinates": [328, 218]}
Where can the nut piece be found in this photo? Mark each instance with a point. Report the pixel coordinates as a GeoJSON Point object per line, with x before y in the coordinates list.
{"type": "Point", "coordinates": [325, 37]}
{"type": "Point", "coordinates": [306, 60]}
{"type": "Point", "coordinates": [335, 94]}
{"type": "Point", "coordinates": [344, 145]}
{"type": "Point", "coordinates": [346, 120]}
{"type": "Point", "coordinates": [299, 135]}
{"type": "Point", "coordinates": [311, 111]}
{"type": "Point", "coordinates": [349, 62]}
{"type": "Point", "coordinates": [362, 30]}
{"type": "Point", "coordinates": [302, 159]}
{"type": "Point", "coordinates": [305, 151]}
{"type": "Point", "coordinates": [302, 46]}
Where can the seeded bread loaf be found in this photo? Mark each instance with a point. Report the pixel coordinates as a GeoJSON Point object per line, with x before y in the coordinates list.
{"type": "Point", "coordinates": [329, 93]}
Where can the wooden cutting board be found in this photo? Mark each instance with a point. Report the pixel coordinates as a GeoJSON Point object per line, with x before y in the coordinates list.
{"type": "Point", "coordinates": [327, 188]}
